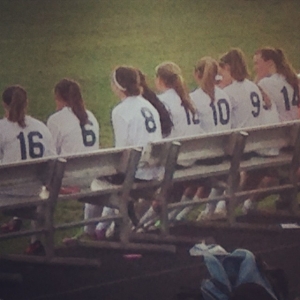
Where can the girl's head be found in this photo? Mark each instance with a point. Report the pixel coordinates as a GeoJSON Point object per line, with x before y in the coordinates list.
{"type": "Point", "coordinates": [67, 93]}
{"type": "Point", "coordinates": [268, 61]}
{"type": "Point", "coordinates": [233, 64]}
{"type": "Point", "coordinates": [15, 104]}
{"type": "Point", "coordinates": [205, 73]}
{"type": "Point", "coordinates": [168, 76]}
{"type": "Point", "coordinates": [126, 82]}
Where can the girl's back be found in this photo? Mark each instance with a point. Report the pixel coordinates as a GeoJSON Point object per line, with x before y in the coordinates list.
{"type": "Point", "coordinates": [135, 122]}
{"type": "Point", "coordinates": [214, 116]}
{"type": "Point", "coordinates": [69, 136]}
{"type": "Point", "coordinates": [184, 122]}
{"type": "Point", "coordinates": [32, 141]}
{"type": "Point", "coordinates": [247, 104]}
{"type": "Point", "coordinates": [282, 95]}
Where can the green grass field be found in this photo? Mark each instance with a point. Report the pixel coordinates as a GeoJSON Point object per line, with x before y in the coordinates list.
{"type": "Point", "coordinates": [42, 41]}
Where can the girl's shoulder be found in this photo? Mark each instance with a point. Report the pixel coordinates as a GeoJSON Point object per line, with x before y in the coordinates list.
{"type": "Point", "coordinates": [61, 116]}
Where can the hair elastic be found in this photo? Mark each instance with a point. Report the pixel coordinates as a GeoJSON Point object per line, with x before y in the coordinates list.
{"type": "Point", "coordinates": [117, 83]}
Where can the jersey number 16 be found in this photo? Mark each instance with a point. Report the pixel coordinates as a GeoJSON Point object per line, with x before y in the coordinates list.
{"type": "Point", "coordinates": [36, 149]}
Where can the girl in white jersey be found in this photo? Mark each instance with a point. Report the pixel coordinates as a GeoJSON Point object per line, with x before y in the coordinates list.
{"type": "Point", "coordinates": [74, 130]}
{"type": "Point", "coordinates": [245, 96]}
{"type": "Point", "coordinates": [247, 104]}
{"type": "Point", "coordinates": [22, 138]}
{"type": "Point", "coordinates": [175, 96]}
{"type": "Point", "coordinates": [214, 109]}
{"type": "Point", "coordinates": [278, 80]}
{"type": "Point", "coordinates": [213, 104]}
{"type": "Point", "coordinates": [135, 123]}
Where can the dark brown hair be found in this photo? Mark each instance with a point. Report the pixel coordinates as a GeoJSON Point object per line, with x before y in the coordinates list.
{"type": "Point", "coordinates": [69, 91]}
{"type": "Point", "coordinates": [236, 60]}
{"type": "Point", "coordinates": [170, 74]}
{"type": "Point", "coordinates": [15, 98]}
{"type": "Point", "coordinates": [128, 79]}
{"type": "Point", "coordinates": [164, 116]}
{"type": "Point", "coordinates": [283, 66]}
{"type": "Point", "coordinates": [207, 69]}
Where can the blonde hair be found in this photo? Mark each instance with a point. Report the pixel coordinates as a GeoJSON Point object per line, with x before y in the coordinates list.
{"type": "Point", "coordinates": [171, 75]}
{"type": "Point", "coordinates": [206, 70]}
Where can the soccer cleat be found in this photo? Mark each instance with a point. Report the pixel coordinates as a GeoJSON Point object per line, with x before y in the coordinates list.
{"type": "Point", "coordinates": [100, 234]}
{"type": "Point", "coordinates": [247, 206]}
{"type": "Point", "coordinates": [110, 231]}
{"type": "Point", "coordinates": [67, 190]}
{"type": "Point", "coordinates": [221, 210]}
{"type": "Point", "coordinates": [184, 213]}
{"type": "Point", "coordinates": [207, 213]}
{"type": "Point", "coordinates": [81, 235]}
{"type": "Point", "coordinates": [35, 248]}
{"type": "Point", "coordinates": [13, 225]}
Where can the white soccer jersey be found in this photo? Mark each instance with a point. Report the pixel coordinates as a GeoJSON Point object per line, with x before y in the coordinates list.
{"type": "Point", "coordinates": [282, 95]}
{"type": "Point", "coordinates": [213, 116]}
{"type": "Point", "coordinates": [247, 104]}
{"type": "Point", "coordinates": [17, 143]}
{"type": "Point", "coordinates": [71, 138]}
{"type": "Point", "coordinates": [184, 123]}
{"type": "Point", "coordinates": [136, 122]}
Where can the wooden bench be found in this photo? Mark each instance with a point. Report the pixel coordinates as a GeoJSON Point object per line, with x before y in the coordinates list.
{"type": "Point", "coordinates": [229, 153]}
{"type": "Point", "coordinates": [219, 155]}
{"type": "Point", "coordinates": [82, 170]}
{"type": "Point", "coordinates": [21, 185]}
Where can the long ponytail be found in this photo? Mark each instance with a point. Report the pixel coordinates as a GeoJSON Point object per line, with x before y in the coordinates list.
{"type": "Point", "coordinates": [206, 70]}
{"type": "Point", "coordinates": [164, 116]}
{"type": "Point", "coordinates": [69, 91]}
{"type": "Point", "coordinates": [170, 74]}
{"type": "Point", "coordinates": [15, 98]}
{"type": "Point", "coordinates": [283, 66]}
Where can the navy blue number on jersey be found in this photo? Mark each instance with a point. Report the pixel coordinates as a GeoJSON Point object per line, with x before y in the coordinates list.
{"type": "Point", "coordinates": [149, 120]}
{"type": "Point", "coordinates": [255, 103]}
{"type": "Point", "coordinates": [287, 103]}
{"type": "Point", "coordinates": [36, 148]}
{"type": "Point", "coordinates": [224, 111]}
{"type": "Point", "coordinates": [191, 120]}
{"type": "Point", "coordinates": [88, 136]}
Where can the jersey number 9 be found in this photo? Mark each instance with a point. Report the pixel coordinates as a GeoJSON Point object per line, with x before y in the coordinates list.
{"type": "Point", "coordinates": [256, 104]}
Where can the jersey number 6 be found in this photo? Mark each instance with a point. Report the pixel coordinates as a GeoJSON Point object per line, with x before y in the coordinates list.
{"type": "Point", "coordinates": [88, 137]}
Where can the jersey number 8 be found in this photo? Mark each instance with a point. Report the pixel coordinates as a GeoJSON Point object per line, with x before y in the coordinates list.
{"type": "Point", "coordinates": [149, 120]}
